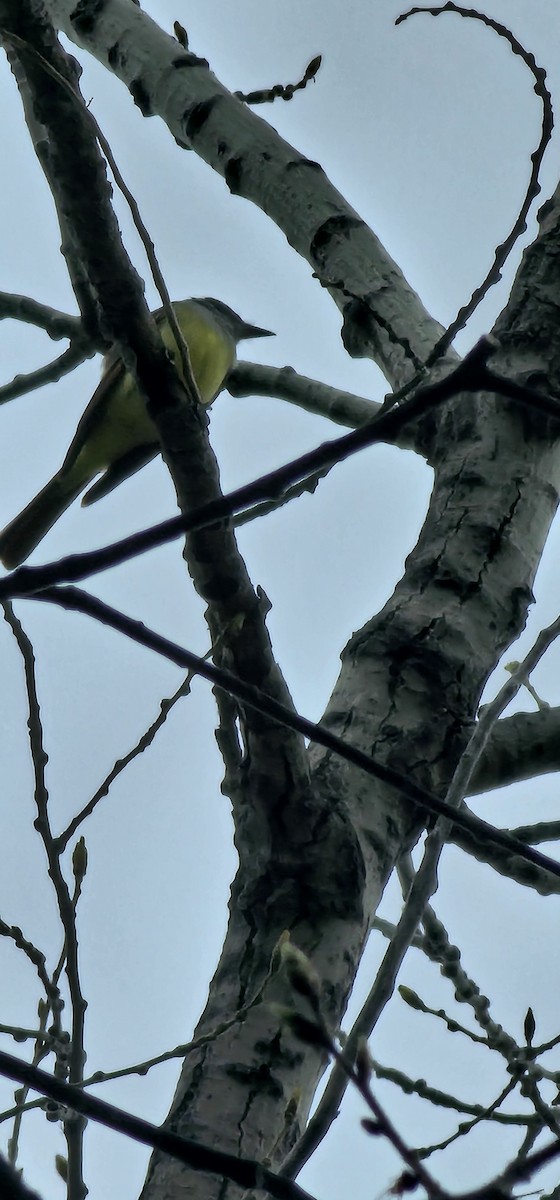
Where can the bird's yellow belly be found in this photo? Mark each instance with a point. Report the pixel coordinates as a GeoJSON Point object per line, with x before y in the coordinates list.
{"type": "Point", "coordinates": [126, 424]}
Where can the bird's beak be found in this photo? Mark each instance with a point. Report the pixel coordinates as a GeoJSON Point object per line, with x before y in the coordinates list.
{"type": "Point", "coordinates": [254, 331]}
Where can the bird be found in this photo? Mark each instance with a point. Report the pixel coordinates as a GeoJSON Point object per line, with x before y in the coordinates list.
{"type": "Point", "coordinates": [115, 436]}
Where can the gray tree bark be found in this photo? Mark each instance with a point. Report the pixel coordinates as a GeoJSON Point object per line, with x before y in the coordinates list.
{"type": "Point", "coordinates": [317, 838]}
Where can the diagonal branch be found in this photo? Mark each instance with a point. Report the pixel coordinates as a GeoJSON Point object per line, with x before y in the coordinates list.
{"type": "Point", "coordinates": [198, 1156]}
{"type": "Point", "coordinates": [214, 561]}
{"type": "Point", "coordinates": [384, 318]}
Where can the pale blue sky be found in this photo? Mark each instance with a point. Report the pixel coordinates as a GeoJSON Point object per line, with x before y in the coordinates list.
{"type": "Point", "coordinates": [427, 131]}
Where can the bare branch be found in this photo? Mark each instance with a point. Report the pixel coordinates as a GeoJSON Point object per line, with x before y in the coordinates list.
{"type": "Point", "coordinates": [519, 227]}
{"type": "Point", "coordinates": [245, 1172]}
{"type": "Point", "coordinates": [72, 598]}
{"type": "Point", "coordinates": [470, 375]}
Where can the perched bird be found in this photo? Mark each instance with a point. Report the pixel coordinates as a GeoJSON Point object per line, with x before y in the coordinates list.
{"type": "Point", "coordinates": [116, 436]}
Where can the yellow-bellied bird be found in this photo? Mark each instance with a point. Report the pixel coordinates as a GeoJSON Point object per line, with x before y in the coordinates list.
{"type": "Point", "coordinates": [115, 436]}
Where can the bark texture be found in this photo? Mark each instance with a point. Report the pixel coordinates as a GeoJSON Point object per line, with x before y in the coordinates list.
{"type": "Point", "coordinates": [316, 838]}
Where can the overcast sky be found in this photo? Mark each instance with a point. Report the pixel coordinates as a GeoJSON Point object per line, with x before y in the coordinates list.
{"type": "Point", "coordinates": [427, 131]}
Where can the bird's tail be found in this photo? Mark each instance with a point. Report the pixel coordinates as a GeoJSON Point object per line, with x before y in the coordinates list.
{"type": "Point", "coordinates": [26, 530]}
